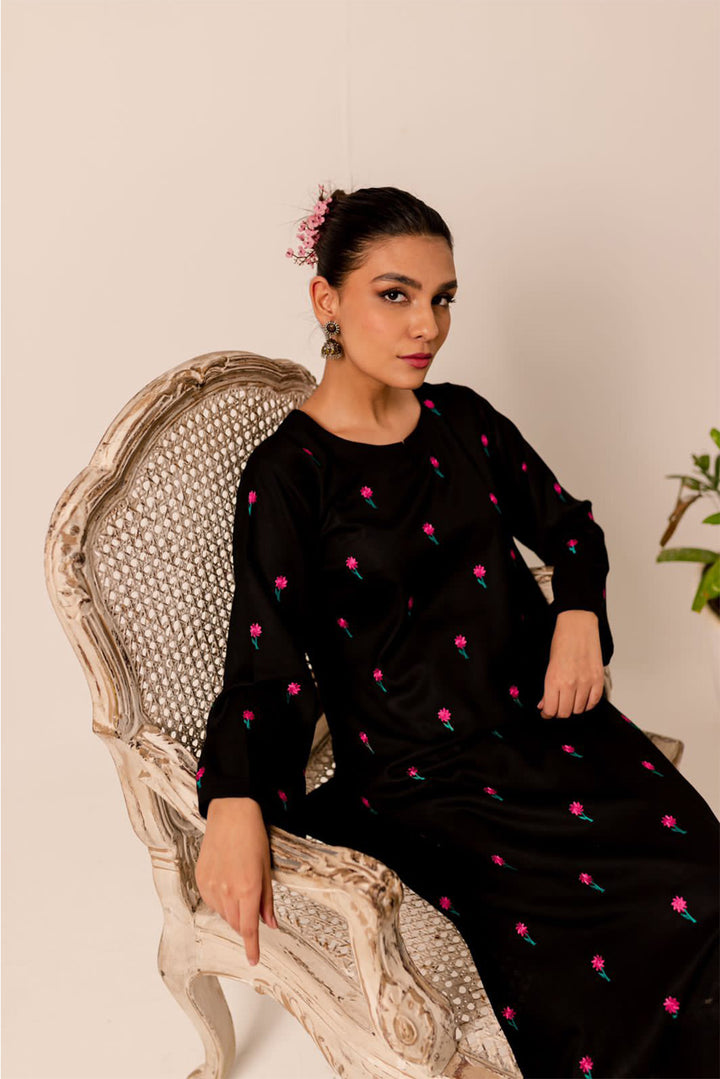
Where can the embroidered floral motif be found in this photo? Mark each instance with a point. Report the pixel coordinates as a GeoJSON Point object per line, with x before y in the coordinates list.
{"type": "Point", "coordinates": [367, 493]}
{"type": "Point", "coordinates": [571, 750]}
{"type": "Point", "coordinates": [460, 642]}
{"type": "Point", "coordinates": [577, 809]}
{"type": "Point", "coordinates": [479, 572]}
{"type": "Point", "coordinates": [429, 531]}
{"type": "Point", "coordinates": [499, 860]}
{"type": "Point", "coordinates": [599, 965]}
{"type": "Point", "coordinates": [586, 878]}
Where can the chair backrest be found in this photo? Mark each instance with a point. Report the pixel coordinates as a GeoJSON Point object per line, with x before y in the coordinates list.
{"type": "Point", "coordinates": [139, 548]}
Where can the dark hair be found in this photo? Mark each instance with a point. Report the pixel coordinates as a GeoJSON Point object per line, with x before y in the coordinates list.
{"type": "Point", "coordinates": [356, 219]}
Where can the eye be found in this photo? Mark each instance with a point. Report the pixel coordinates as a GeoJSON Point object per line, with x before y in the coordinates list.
{"type": "Point", "coordinates": [388, 292]}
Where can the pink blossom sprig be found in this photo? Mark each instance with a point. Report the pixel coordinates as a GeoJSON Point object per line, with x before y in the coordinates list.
{"type": "Point", "coordinates": [308, 231]}
{"type": "Point", "coordinates": [679, 904]}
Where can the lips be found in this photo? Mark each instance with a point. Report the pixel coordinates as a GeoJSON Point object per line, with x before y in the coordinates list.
{"type": "Point", "coordinates": [417, 356]}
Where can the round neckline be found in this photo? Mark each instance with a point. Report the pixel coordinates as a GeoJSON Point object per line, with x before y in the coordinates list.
{"type": "Point", "coordinates": [368, 445]}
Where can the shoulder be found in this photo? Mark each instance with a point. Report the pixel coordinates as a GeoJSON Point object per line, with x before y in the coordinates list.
{"type": "Point", "coordinates": [461, 400]}
{"type": "Point", "coordinates": [286, 470]}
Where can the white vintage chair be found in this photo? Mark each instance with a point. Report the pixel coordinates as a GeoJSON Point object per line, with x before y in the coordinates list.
{"type": "Point", "coordinates": [138, 562]}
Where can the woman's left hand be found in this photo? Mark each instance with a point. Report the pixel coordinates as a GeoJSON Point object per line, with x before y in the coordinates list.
{"type": "Point", "coordinates": [574, 679]}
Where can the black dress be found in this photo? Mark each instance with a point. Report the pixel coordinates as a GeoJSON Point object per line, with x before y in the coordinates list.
{"type": "Point", "coordinates": [578, 863]}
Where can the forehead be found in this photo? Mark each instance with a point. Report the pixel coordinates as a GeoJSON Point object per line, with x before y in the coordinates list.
{"type": "Point", "coordinates": [426, 259]}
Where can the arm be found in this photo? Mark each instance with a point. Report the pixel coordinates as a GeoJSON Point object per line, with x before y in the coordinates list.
{"type": "Point", "coordinates": [260, 726]}
{"type": "Point", "coordinates": [561, 529]}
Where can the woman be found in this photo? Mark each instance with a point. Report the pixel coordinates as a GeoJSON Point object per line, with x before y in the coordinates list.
{"type": "Point", "coordinates": [476, 753]}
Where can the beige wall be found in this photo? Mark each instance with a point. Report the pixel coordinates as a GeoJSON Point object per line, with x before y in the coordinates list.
{"type": "Point", "coordinates": [156, 157]}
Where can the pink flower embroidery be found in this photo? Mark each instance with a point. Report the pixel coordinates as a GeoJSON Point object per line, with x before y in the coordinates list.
{"type": "Point", "coordinates": [252, 499]}
{"type": "Point", "coordinates": [444, 717]}
{"type": "Point", "coordinates": [680, 905]}
{"type": "Point", "coordinates": [366, 492]}
{"type": "Point", "coordinates": [283, 798]}
{"type": "Point", "coordinates": [499, 860]}
{"type": "Point", "coordinates": [599, 964]}
{"type": "Point", "coordinates": [199, 774]}
{"type": "Point", "coordinates": [365, 740]}
{"type": "Point", "coordinates": [431, 405]}
{"type": "Point", "coordinates": [343, 623]}
{"type": "Point", "coordinates": [522, 931]}
{"type": "Point", "coordinates": [586, 1066]}
{"type": "Point", "coordinates": [378, 675]}
{"type": "Point", "coordinates": [515, 694]}
{"type": "Point", "coordinates": [351, 563]}
{"type": "Point", "coordinates": [671, 1005]}
{"type": "Point", "coordinates": [446, 904]}
{"type": "Point", "coordinates": [509, 1014]}
{"type": "Point", "coordinates": [523, 466]}
{"type": "Point", "coordinates": [484, 440]}
{"type": "Point", "coordinates": [572, 543]}
{"type": "Point", "coordinates": [312, 455]}
{"type": "Point", "coordinates": [586, 878]}
{"type": "Point", "coordinates": [429, 531]}
{"type": "Point", "coordinates": [493, 793]}
{"type": "Point", "coordinates": [436, 465]}
{"type": "Point", "coordinates": [280, 584]}
{"type": "Point", "coordinates": [571, 751]}
{"type": "Point", "coordinates": [480, 572]}
{"type": "Point", "coordinates": [460, 642]}
{"type": "Point", "coordinates": [293, 688]}
{"type": "Point", "coordinates": [577, 809]}
{"type": "Point", "coordinates": [494, 501]}
{"type": "Point", "coordinates": [670, 822]}
{"type": "Point", "coordinates": [248, 717]}
{"type": "Point", "coordinates": [558, 491]}
{"type": "Point", "coordinates": [413, 773]}
{"type": "Point", "coordinates": [649, 765]}
{"type": "Point", "coordinates": [368, 806]}
{"type": "Point", "coordinates": [255, 631]}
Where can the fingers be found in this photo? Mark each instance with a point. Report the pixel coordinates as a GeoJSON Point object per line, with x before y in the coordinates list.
{"type": "Point", "coordinates": [248, 914]}
{"type": "Point", "coordinates": [561, 702]}
{"type": "Point", "coordinates": [267, 910]}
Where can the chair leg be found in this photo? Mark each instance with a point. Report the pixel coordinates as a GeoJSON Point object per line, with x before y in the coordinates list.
{"type": "Point", "coordinates": [202, 998]}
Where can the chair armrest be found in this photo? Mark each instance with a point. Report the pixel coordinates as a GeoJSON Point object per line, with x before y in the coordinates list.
{"type": "Point", "coordinates": [407, 1011]}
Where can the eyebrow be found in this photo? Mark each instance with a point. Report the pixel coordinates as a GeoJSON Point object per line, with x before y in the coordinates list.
{"type": "Point", "coordinates": [404, 280]}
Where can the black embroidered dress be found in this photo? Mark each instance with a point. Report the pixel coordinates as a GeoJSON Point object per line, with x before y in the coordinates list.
{"type": "Point", "coordinates": [578, 863]}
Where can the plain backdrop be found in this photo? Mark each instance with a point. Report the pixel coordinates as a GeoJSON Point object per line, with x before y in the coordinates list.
{"type": "Point", "coordinates": [157, 157]}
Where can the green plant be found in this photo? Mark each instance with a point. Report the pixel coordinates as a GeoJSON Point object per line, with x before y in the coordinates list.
{"type": "Point", "coordinates": [707, 483]}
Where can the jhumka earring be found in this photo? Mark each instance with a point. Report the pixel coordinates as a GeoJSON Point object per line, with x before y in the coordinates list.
{"type": "Point", "coordinates": [331, 347]}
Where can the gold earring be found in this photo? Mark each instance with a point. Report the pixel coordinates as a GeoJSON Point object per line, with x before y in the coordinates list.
{"type": "Point", "coordinates": [331, 347]}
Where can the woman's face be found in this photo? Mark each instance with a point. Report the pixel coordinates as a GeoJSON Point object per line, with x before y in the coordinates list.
{"type": "Point", "coordinates": [382, 318]}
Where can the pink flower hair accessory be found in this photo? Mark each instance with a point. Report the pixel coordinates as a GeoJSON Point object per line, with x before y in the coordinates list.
{"type": "Point", "coordinates": [309, 229]}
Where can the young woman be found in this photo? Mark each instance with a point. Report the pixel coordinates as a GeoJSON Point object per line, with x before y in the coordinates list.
{"type": "Point", "coordinates": [476, 753]}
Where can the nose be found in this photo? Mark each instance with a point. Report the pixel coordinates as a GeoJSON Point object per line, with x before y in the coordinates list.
{"type": "Point", "coordinates": [424, 324]}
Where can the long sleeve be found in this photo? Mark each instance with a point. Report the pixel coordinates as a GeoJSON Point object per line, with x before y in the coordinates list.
{"type": "Point", "coordinates": [261, 725]}
{"type": "Point", "coordinates": [545, 517]}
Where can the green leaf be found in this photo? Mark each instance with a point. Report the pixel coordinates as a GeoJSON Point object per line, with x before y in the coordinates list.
{"type": "Point", "coordinates": [713, 519]}
{"type": "Point", "coordinates": [709, 586]}
{"type": "Point", "coordinates": [715, 436]}
{"type": "Point", "coordinates": [687, 554]}
{"type": "Point", "coordinates": [702, 462]}
{"type": "Point", "coordinates": [689, 481]}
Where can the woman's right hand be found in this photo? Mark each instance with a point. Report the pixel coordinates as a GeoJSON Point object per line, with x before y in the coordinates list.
{"type": "Point", "coordinates": [233, 868]}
